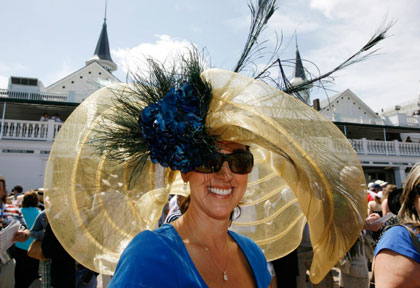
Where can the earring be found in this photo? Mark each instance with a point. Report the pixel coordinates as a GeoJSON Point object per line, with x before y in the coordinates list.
{"type": "Point", "coordinates": [185, 186]}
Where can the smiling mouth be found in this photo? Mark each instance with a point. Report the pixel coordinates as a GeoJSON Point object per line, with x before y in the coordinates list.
{"type": "Point", "coordinates": [219, 191]}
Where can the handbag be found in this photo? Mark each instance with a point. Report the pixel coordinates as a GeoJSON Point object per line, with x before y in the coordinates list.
{"type": "Point", "coordinates": [35, 250]}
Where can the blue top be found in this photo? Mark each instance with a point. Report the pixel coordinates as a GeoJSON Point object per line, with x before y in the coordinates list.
{"type": "Point", "coordinates": [160, 259]}
{"type": "Point", "coordinates": [398, 240]}
{"type": "Point", "coordinates": [30, 214]}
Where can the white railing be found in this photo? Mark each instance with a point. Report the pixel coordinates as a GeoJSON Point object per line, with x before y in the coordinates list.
{"type": "Point", "coordinates": [33, 96]}
{"type": "Point", "coordinates": [393, 148]}
{"type": "Point", "coordinates": [29, 130]}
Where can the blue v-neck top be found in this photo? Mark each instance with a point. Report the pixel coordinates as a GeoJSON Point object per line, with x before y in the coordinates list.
{"type": "Point", "coordinates": [159, 258]}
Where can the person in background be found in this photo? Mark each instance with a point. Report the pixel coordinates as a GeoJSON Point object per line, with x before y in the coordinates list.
{"type": "Point", "coordinates": [56, 118]}
{"type": "Point", "coordinates": [9, 213]}
{"type": "Point", "coordinates": [37, 232]}
{"type": "Point", "coordinates": [44, 117]}
{"type": "Point", "coordinates": [27, 267]}
{"type": "Point", "coordinates": [62, 264]}
{"type": "Point", "coordinates": [16, 192]}
{"type": "Point", "coordinates": [397, 255]}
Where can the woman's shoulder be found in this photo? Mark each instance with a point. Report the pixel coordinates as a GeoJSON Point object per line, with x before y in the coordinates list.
{"type": "Point", "coordinates": [149, 241]}
{"type": "Point", "coordinates": [397, 239]}
{"type": "Point", "coordinates": [148, 254]}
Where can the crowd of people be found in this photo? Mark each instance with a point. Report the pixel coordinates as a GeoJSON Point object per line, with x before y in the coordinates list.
{"type": "Point", "coordinates": [53, 266]}
{"type": "Point", "coordinates": [46, 117]}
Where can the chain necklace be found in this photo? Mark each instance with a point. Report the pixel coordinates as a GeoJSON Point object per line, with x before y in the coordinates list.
{"type": "Point", "coordinates": [225, 276]}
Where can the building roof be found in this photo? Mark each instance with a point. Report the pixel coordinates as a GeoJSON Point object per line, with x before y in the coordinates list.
{"type": "Point", "coordinates": [102, 47]}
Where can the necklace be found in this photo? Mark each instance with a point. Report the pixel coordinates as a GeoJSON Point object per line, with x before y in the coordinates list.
{"type": "Point", "coordinates": [225, 276]}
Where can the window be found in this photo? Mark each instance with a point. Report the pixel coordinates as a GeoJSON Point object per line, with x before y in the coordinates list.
{"type": "Point", "coordinates": [72, 82]}
{"type": "Point", "coordinates": [64, 87]}
{"type": "Point", "coordinates": [81, 77]}
{"type": "Point", "coordinates": [25, 81]}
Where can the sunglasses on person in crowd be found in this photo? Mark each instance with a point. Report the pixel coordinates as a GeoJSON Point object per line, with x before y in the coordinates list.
{"type": "Point", "coordinates": [240, 162]}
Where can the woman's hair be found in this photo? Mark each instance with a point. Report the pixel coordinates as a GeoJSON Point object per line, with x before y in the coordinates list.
{"type": "Point", "coordinates": [3, 183]}
{"type": "Point", "coordinates": [30, 199]}
{"type": "Point", "coordinates": [389, 189]}
{"type": "Point", "coordinates": [408, 213]}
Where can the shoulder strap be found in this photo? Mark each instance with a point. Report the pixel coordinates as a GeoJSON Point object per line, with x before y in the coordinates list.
{"type": "Point", "coordinates": [414, 239]}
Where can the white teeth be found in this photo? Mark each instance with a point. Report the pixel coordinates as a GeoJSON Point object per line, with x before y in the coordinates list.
{"type": "Point", "coordinates": [220, 191]}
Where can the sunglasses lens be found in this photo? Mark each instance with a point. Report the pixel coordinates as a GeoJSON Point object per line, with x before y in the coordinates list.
{"type": "Point", "coordinates": [212, 165]}
{"type": "Point", "coordinates": [241, 163]}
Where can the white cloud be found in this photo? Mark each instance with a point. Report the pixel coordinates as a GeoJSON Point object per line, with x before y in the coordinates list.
{"type": "Point", "coordinates": [165, 49]}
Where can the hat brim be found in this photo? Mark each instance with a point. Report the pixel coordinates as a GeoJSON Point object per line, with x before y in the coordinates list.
{"type": "Point", "coordinates": [305, 170]}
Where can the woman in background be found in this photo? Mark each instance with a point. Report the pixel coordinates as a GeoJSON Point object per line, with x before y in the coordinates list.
{"type": "Point", "coordinates": [26, 270]}
{"type": "Point", "coordinates": [397, 255]}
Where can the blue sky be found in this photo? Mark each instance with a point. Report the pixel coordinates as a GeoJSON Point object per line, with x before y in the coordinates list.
{"type": "Point", "coordinates": [49, 39]}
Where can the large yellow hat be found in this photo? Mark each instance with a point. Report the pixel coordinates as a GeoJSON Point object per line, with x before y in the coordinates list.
{"type": "Point", "coordinates": [305, 170]}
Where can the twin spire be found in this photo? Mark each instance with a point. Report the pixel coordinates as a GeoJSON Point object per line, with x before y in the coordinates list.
{"type": "Point", "coordinates": [102, 53]}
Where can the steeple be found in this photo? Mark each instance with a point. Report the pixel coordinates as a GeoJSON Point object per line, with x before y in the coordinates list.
{"type": "Point", "coordinates": [299, 70]}
{"type": "Point", "coordinates": [102, 54]}
{"type": "Point", "coordinates": [299, 76]}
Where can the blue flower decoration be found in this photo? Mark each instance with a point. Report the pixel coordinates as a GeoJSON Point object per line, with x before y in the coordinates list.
{"type": "Point", "coordinates": [174, 130]}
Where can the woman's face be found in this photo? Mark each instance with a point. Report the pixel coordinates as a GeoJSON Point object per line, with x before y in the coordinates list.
{"type": "Point", "coordinates": [217, 194]}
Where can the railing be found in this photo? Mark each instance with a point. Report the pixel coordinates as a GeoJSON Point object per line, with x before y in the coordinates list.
{"type": "Point", "coordinates": [29, 130]}
{"type": "Point", "coordinates": [393, 148]}
{"type": "Point", "coordinates": [33, 96]}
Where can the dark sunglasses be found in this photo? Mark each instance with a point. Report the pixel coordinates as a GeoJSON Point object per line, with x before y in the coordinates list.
{"type": "Point", "coordinates": [240, 162]}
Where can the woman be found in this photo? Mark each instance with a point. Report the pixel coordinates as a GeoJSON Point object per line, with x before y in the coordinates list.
{"type": "Point", "coordinates": [197, 123]}
{"type": "Point", "coordinates": [397, 261]}
{"type": "Point", "coordinates": [26, 270]}
{"type": "Point", "coordinates": [216, 257]}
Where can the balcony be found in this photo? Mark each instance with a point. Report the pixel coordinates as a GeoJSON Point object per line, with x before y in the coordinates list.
{"type": "Point", "coordinates": [29, 130]}
{"type": "Point", "coordinates": [388, 148]}
{"type": "Point", "coordinates": [38, 96]}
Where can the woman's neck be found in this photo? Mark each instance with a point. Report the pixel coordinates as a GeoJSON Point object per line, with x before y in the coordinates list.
{"type": "Point", "coordinates": [194, 228]}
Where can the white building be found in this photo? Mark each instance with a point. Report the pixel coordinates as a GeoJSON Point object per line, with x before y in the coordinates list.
{"type": "Point", "coordinates": [378, 139]}
{"type": "Point", "coordinates": [25, 141]}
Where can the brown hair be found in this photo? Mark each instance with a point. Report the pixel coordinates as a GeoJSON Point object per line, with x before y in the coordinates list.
{"type": "Point", "coordinates": [389, 189]}
{"type": "Point", "coordinates": [408, 213]}
{"type": "Point", "coordinates": [30, 199]}
{"type": "Point", "coordinates": [3, 181]}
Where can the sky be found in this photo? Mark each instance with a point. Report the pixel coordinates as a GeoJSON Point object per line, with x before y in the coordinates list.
{"type": "Point", "coordinates": [50, 39]}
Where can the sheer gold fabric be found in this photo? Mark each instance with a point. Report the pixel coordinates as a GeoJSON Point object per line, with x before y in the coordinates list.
{"type": "Point", "coordinates": [305, 170]}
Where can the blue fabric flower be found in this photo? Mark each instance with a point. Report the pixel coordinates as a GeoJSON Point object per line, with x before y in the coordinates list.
{"type": "Point", "coordinates": [173, 129]}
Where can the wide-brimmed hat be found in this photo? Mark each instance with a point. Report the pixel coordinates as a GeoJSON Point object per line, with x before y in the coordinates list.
{"type": "Point", "coordinates": [305, 170]}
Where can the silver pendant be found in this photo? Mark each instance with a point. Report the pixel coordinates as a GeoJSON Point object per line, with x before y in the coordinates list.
{"type": "Point", "coordinates": [225, 277]}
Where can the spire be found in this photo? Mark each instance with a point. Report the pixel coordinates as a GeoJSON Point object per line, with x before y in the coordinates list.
{"type": "Point", "coordinates": [299, 70]}
{"type": "Point", "coordinates": [102, 54]}
{"type": "Point", "coordinates": [299, 76]}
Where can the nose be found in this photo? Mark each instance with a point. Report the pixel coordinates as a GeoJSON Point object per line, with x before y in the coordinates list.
{"type": "Point", "coordinates": [225, 172]}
